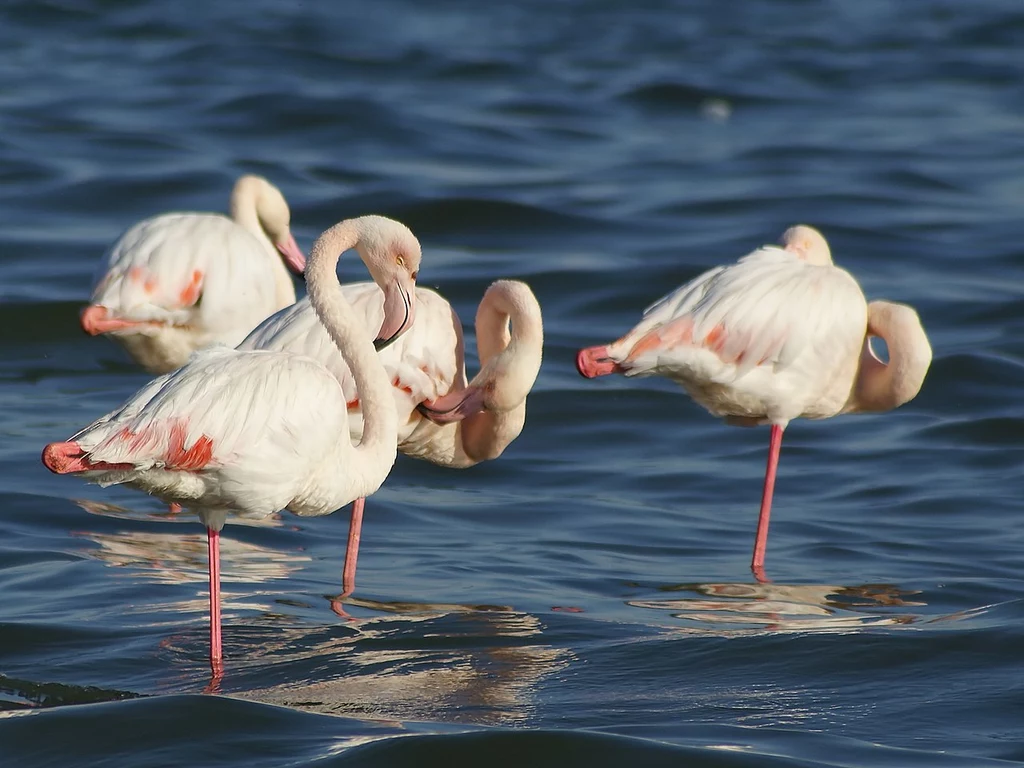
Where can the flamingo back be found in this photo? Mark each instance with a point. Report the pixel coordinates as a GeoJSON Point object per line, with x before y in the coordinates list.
{"type": "Point", "coordinates": [768, 338]}
{"type": "Point", "coordinates": [240, 431]}
{"type": "Point", "coordinates": [201, 273]}
{"type": "Point", "coordinates": [423, 363]}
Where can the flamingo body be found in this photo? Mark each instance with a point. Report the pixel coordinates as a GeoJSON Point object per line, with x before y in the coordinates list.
{"type": "Point", "coordinates": [781, 334]}
{"type": "Point", "coordinates": [441, 418]}
{"type": "Point", "coordinates": [424, 363]}
{"type": "Point", "coordinates": [179, 282]}
{"type": "Point", "coordinates": [252, 432]}
{"type": "Point", "coordinates": [228, 432]}
{"type": "Point", "coordinates": [428, 362]}
{"type": "Point", "coordinates": [768, 339]}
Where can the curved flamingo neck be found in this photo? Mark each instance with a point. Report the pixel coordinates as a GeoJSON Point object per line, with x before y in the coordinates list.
{"type": "Point", "coordinates": [372, 459]}
{"type": "Point", "coordinates": [248, 194]}
{"type": "Point", "coordinates": [883, 386]}
{"type": "Point", "coordinates": [510, 360]}
{"type": "Point", "coordinates": [244, 204]}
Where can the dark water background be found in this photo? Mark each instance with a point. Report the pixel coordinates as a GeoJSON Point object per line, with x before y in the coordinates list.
{"type": "Point", "coordinates": [603, 152]}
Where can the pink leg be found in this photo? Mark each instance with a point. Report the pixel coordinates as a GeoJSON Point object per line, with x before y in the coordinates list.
{"type": "Point", "coordinates": [355, 527]}
{"type": "Point", "coordinates": [761, 540]}
{"type": "Point", "coordinates": [213, 546]}
{"type": "Point", "coordinates": [174, 508]}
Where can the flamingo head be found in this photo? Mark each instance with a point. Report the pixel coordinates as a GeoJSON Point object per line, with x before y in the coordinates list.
{"type": "Point", "coordinates": [392, 254]}
{"type": "Point", "coordinates": [273, 214]}
{"type": "Point", "coordinates": [807, 244]}
{"type": "Point", "coordinates": [293, 256]}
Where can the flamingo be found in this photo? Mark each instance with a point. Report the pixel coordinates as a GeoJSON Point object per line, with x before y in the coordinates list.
{"type": "Point", "coordinates": [253, 432]}
{"type": "Point", "coordinates": [179, 282]}
{"type": "Point", "coordinates": [781, 334]}
{"type": "Point", "coordinates": [440, 418]}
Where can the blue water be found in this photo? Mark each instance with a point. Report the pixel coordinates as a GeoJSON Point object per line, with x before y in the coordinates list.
{"type": "Point", "coordinates": [586, 598]}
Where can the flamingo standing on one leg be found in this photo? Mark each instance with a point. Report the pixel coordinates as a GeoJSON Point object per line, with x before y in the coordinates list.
{"type": "Point", "coordinates": [440, 417]}
{"type": "Point", "coordinates": [251, 433]}
{"type": "Point", "coordinates": [781, 334]}
{"type": "Point", "coordinates": [179, 282]}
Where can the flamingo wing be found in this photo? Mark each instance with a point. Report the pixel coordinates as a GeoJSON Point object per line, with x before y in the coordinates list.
{"type": "Point", "coordinates": [249, 423]}
{"type": "Point", "coordinates": [766, 310]}
{"type": "Point", "coordinates": [186, 270]}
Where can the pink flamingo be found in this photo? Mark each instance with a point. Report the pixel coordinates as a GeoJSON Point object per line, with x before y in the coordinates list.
{"type": "Point", "coordinates": [781, 334]}
{"type": "Point", "coordinates": [441, 418]}
{"type": "Point", "coordinates": [251, 433]}
{"type": "Point", "coordinates": [179, 282]}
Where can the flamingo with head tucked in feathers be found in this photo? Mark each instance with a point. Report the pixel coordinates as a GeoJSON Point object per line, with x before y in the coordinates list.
{"type": "Point", "coordinates": [441, 418]}
{"type": "Point", "coordinates": [254, 432]}
{"type": "Point", "coordinates": [179, 282]}
{"type": "Point", "coordinates": [781, 334]}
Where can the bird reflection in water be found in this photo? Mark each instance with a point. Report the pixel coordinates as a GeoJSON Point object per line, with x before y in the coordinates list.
{"type": "Point", "coordinates": [393, 659]}
{"type": "Point", "coordinates": [175, 558]}
{"type": "Point", "coordinates": [745, 608]}
{"type": "Point", "coordinates": [474, 664]}
{"type": "Point", "coordinates": [167, 514]}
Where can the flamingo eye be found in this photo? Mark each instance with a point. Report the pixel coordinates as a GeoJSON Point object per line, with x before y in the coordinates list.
{"type": "Point", "coordinates": [401, 261]}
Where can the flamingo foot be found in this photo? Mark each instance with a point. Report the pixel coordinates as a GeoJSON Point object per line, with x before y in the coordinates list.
{"type": "Point", "coordinates": [338, 608]}
{"type": "Point", "coordinates": [594, 361]}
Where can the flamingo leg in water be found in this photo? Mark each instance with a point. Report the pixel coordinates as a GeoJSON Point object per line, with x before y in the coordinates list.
{"type": "Point", "coordinates": [213, 548]}
{"type": "Point", "coordinates": [355, 527]}
{"type": "Point", "coordinates": [761, 539]}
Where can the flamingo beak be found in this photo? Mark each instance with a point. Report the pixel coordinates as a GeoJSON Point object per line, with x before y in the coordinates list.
{"type": "Point", "coordinates": [399, 313]}
{"type": "Point", "coordinates": [455, 406]}
{"type": "Point", "coordinates": [293, 256]}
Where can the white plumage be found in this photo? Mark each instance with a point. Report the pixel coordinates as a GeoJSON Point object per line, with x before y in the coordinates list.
{"type": "Point", "coordinates": [441, 418]}
{"type": "Point", "coordinates": [782, 333]}
{"type": "Point", "coordinates": [770, 338]}
{"type": "Point", "coordinates": [253, 432]}
{"type": "Point", "coordinates": [230, 432]}
{"type": "Point", "coordinates": [179, 282]}
{"type": "Point", "coordinates": [424, 363]}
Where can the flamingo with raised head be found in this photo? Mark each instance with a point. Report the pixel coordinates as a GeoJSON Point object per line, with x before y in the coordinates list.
{"type": "Point", "coordinates": [179, 282]}
{"type": "Point", "coordinates": [440, 417]}
{"type": "Point", "coordinates": [254, 432]}
{"type": "Point", "coordinates": [781, 334]}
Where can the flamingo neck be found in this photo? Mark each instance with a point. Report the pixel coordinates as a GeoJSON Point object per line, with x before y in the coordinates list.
{"type": "Point", "coordinates": [244, 207]}
{"type": "Point", "coordinates": [284, 288]}
{"type": "Point", "coordinates": [246, 198]}
{"type": "Point", "coordinates": [510, 360]}
{"type": "Point", "coordinates": [368, 464]}
{"type": "Point", "coordinates": [883, 386]}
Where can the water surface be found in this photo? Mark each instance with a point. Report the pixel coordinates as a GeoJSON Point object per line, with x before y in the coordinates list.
{"type": "Point", "coordinates": [586, 598]}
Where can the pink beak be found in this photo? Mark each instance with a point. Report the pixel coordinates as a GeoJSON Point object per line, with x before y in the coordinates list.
{"type": "Point", "coordinates": [454, 406]}
{"type": "Point", "coordinates": [293, 256]}
{"type": "Point", "coordinates": [399, 313]}
{"type": "Point", "coordinates": [96, 320]}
